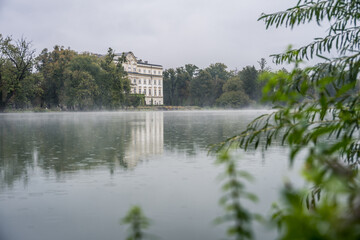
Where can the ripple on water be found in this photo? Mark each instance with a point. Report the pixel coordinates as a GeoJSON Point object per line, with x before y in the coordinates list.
{"type": "Point", "coordinates": [110, 184]}
{"type": "Point", "coordinates": [36, 194]}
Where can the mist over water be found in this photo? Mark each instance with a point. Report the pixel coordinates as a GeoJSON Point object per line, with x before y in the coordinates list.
{"type": "Point", "coordinates": [74, 175]}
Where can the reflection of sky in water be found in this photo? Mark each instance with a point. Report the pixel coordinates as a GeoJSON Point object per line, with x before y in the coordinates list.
{"type": "Point", "coordinates": [74, 175]}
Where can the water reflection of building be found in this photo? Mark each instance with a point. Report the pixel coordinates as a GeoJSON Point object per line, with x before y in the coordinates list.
{"type": "Point", "coordinates": [147, 137]}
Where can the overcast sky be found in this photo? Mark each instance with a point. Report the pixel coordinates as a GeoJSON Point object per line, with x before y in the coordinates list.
{"type": "Point", "coordinates": [168, 32]}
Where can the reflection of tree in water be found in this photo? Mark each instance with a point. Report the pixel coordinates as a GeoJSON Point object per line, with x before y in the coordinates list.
{"type": "Point", "coordinates": [191, 131]}
{"type": "Point", "coordinates": [71, 145]}
{"type": "Point", "coordinates": [64, 143]}
{"type": "Point", "coordinates": [16, 158]}
{"type": "Point", "coordinates": [60, 143]}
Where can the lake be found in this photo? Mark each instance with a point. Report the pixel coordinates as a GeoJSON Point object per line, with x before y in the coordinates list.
{"type": "Point", "coordinates": [75, 175]}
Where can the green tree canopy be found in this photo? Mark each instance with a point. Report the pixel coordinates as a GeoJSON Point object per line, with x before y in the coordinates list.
{"type": "Point", "coordinates": [249, 77]}
{"type": "Point", "coordinates": [114, 84]}
{"type": "Point", "coordinates": [52, 65]}
{"type": "Point", "coordinates": [233, 95]}
{"type": "Point", "coordinates": [177, 84]}
{"type": "Point", "coordinates": [16, 62]}
{"type": "Point", "coordinates": [233, 84]}
{"type": "Point", "coordinates": [201, 89]}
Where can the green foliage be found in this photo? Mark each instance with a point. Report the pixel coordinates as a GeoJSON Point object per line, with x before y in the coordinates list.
{"type": "Point", "coordinates": [343, 34]}
{"type": "Point", "coordinates": [249, 77]}
{"type": "Point", "coordinates": [135, 100]}
{"type": "Point", "coordinates": [114, 83]}
{"type": "Point", "coordinates": [234, 191]}
{"type": "Point", "coordinates": [219, 76]}
{"type": "Point", "coordinates": [53, 65]}
{"type": "Point", "coordinates": [81, 90]}
{"type": "Point", "coordinates": [190, 85]}
{"type": "Point", "coordinates": [201, 86]}
{"type": "Point", "coordinates": [233, 84]}
{"type": "Point", "coordinates": [233, 94]}
{"type": "Point", "coordinates": [137, 221]}
{"type": "Point", "coordinates": [16, 62]}
{"type": "Point", "coordinates": [177, 85]}
{"type": "Point", "coordinates": [233, 99]}
{"type": "Point", "coordinates": [318, 113]}
{"type": "Point", "coordinates": [333, 216]}
{"type": "Point", "coordinates": [64, 79]}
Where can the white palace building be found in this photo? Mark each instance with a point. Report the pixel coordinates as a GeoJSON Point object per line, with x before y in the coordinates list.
{"type": "Point", "coordinates": [145, 78]}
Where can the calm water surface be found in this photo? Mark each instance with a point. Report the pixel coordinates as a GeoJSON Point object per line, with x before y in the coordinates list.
{"type": "Point", "coordinates": [75, 175]}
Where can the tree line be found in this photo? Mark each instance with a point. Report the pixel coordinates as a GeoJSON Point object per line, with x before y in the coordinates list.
{"type": "Point", "coordinates": [61, 79]}
{"type": "Point", "coordinates": [214, 85]}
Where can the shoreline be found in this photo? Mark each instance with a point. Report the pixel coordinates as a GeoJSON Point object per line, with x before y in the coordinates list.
{"type": "Point", "coordinates": [136, 109]}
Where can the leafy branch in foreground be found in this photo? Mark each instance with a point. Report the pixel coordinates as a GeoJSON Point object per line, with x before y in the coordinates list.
{"type": "Point", "coordinates": [137, 221]}
{"type": "Point", "coordinates": [317, 112]}
{"type": "Point", "coordinates": [234, 191]}
{"type": "Point", "coordinates": [308, 110]}
{"type": "Point", "coordinates": [343, 33]}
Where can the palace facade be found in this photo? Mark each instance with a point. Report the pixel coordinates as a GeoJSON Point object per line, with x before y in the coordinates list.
{"type": "Point", "coordinates": [145, 78]}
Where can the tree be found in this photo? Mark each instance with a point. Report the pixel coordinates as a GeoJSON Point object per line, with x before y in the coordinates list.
{"type": "Point", "coordinates": [201, 89]}
{"type": "Point", "coordinates": [80, 90]}
{"type": "Point", "coordinates": [81, 75]}
{"type": "Point", "coordinates": [249, 77]}
{"type": "Point", "coordinates": [233, 95]}
{"type": "Point", "coordinates": [16, 61]}
{"type": "Point", "coordinates": [183, 79]}
{"type": "Point", "coordinates": [233, 84]}
{"type": "Point", "coordinates": [177, 85]}
{"type": "Point", "coordinates": [262, 64]}
{"type": "Point", "coordinates": [52, 65]}
{"type": "Point", "coordinates": [219, 76]}
{"type": "Point", "coordinates": [191, 69]}
{"type": "Point", "coordinates": [233, 99]}
{"type": "Point", "coordinates": [114, 85]}
{"type": "Point", "coordinates": [169, 86]}
{"type": "Point", "coordinates": [323, 124]}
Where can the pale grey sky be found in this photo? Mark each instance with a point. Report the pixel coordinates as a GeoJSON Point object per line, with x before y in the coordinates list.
{"type": "Point", "coordinates": [168, 32]}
